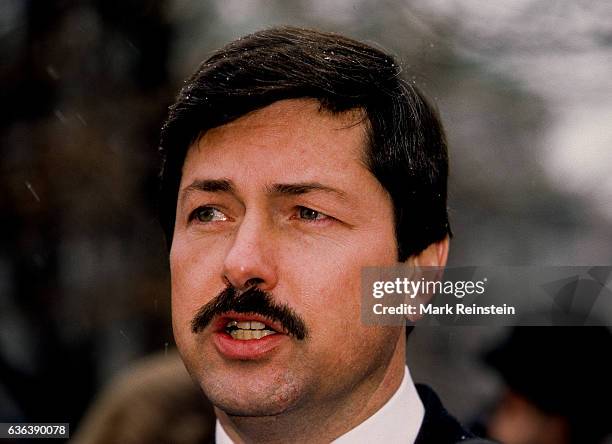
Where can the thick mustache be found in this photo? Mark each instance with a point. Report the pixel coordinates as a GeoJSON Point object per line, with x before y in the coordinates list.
{"type": "Point", "coordinates": [253, 300]}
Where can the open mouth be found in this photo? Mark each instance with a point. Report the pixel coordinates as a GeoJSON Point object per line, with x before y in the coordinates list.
{"type": "Point", "coordinates": [248, 330]}
{"type": "Point", "coordinates": [248, 336]}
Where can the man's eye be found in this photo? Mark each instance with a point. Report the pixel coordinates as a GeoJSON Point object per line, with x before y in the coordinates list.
{"type": "Point", "coordinates": [207, 214]}
{"type": "Point", "coordinates": [308, 214]}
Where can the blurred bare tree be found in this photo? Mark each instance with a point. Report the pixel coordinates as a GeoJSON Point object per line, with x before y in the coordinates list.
{"type": "Point", "coordinates": [83, 97]}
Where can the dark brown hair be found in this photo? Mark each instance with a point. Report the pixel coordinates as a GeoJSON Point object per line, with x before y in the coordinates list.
{"type": "Point", "coordinates": [406, 149]}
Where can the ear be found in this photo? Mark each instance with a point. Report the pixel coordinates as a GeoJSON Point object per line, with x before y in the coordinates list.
{"type": "Point", "coordinates": [435, 255]}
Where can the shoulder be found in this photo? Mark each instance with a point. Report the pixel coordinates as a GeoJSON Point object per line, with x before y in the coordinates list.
{"type": "Point", "coordinates": [439, 426]}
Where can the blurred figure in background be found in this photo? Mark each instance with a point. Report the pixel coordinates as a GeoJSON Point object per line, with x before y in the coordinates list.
{"type": "Point", "coordinates": [152, 402]}
{"type": "Point", "coordinates": [559, 386]}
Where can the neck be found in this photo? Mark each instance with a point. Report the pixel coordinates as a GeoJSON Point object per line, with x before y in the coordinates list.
{"type": "Point", "coordinates": [323, 422]}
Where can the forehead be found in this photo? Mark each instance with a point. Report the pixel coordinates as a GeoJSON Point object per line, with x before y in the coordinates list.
{"type": "Point", "coordinates": [288, 140]}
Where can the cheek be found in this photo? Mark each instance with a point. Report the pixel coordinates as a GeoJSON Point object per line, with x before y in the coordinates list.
{"type": "Point", "coordinates": [330, 271]}
{"type": "Point", "coordinates": [195, 281]}
{"type": "Point", "coordinates": [329, 294]}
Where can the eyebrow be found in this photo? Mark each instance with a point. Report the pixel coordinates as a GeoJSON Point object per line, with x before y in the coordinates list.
{"type": "Point", "coordinates": [208, 186]}
{"type": "Point", "coordinates": [227, 186]}
{"type": "Point", "coordinates": [295, 189]}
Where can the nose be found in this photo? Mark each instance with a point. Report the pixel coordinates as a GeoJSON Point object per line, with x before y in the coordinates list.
{"type": "Point", "coordinates": [251, 259]}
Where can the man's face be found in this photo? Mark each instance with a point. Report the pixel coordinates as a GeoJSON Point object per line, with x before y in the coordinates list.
{"type": "Point", "coordinates": [280, 200]}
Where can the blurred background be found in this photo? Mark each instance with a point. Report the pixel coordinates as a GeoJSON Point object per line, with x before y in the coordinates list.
{"type": "Point", "coordinates": [524, 89]}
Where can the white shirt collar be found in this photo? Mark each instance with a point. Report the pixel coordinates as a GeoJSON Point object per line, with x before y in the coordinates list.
{"type": "Point", "coordinates": [398, 420]}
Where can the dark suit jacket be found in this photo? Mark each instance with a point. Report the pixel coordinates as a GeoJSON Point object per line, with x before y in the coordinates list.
{"type": "Point", "coordinates": [439, 427]}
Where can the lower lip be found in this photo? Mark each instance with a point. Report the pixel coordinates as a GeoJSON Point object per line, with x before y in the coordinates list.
{"type": "Point", "coordinates": [246, 349]}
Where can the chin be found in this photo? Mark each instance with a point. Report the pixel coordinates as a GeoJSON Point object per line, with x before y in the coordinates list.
{"type": "Point", "coordinates": [251, 396]}
{"type": "Point", "coordinates": [242, 408]}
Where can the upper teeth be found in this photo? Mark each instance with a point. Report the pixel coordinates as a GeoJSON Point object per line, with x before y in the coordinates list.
{"type": "Point", "coordinates": [247, 330]}
{"type": "Point", "coordinates": [247, 325]}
